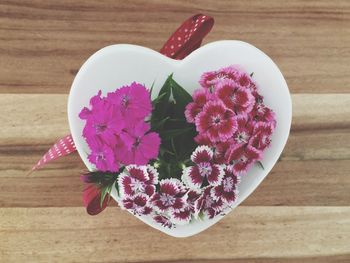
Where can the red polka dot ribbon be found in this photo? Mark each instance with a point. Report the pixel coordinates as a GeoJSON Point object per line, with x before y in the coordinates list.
{"type": "Point", "coordinates": [62, 147]}
{"type": "Point", "coordinates": [187, 38]}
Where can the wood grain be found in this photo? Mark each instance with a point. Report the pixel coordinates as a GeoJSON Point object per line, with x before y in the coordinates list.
{"type": "Point", "coordinates": [300, 212]}
{"type": "Point", "coordinates": [45, 42]}
{"type": "Point", "coordinates": [65, 234]}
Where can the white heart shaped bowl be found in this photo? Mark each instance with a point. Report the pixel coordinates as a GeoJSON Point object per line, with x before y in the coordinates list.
{"type": "Point", "coordinates": [118, 65]}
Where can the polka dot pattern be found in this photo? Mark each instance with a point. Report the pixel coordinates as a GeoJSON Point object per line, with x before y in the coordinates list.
{"type": "Point", "coordinates": [182, 42]}
{"type": "Point", "coordinates": [187, 37]}
{"type": "Point", "coordinates": [62, 147]}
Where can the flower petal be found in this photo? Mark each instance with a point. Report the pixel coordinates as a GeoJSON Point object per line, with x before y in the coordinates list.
{"type": "Point", "coordinates": [227, 129]}
{"type": "Point", "coordinates": [202, 154]}
{"type": "Point", "coordinates": [137, 204]}
{"type": "Point", "coordinates": [192, 177]}
{"type": "Point", "coordinates": [216, 175]}
{"type": "Point", "coordinates": [181, 217]}
{"type": "Point", "coordinates": [171, 186]}
{"type": "Point", "coordinates": [124, 183]}
{"type": "Point", "coordinates": [149, 145]}
{"type": "Point", "coordinates": [153, 174]}
{"type": "Point", "coordinates": [163, 221]}
{"type": "Point", "coordinates": [191, 111]}
{"type": "Point", "coordinates": [150, 190]}
{"type": "Point", "coordinates": [234, 152]}
{"type": "Point", "coordinates": [138, 172]}
{"type": "Point", "coordinates": [202, 139]}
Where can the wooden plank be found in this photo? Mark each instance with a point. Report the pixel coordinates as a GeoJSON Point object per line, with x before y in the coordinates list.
{"type": "Point", "coordinates": [334, 259]}
{"type": "Point", "coordinates": [327, 259]}
{"type": "Point", "coordinates": [313, 169]}
{"type": "Point", "coordinates": [67, 234]}
{"type": "Point", "coordinates": [305, 183]}
{"type": "Point", "coordinates": [33, 119]}
{"type": "Point", "coordinates": [43, 44]}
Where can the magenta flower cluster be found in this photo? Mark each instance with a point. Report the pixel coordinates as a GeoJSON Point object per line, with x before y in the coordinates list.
{"type": "Point", "coordinates": [116, 130]}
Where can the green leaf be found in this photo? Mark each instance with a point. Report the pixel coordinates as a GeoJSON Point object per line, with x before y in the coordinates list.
{"type": "Point", "coordinates": [170, 134]}
{"type": "Point", "coordinates": [156, 100]}
{"type": "Point", "coordinates": [261, 165]}
{"type": "Point", "coordinates": [151, 89]}
{"type": "Point", "coordinates": [201, 215]}
{"type": "Point", "coordinates": [163, 102]}
{"type": "Point", "coordinates": [105, 190]}
{"type": "Point", "coordinates": [173, 146]}
{"type": "Point", "coordinates": [117, 188]}
{"type": "Point", "coordinates": [181, 96]}
{"type": "Point", "coordinates": [102, 179]}
{"type": "Point", "coordinates": [168, 120]}
{"type": "Point", "coordinates": [251, 74]}
{"type": "Point", "coordinates": [163, 150]}
{"type": "Point", "coordinates": [159, 124]}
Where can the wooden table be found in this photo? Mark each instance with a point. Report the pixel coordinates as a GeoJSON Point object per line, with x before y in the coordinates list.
{"type": "Point", "coordinates": [300, 213]}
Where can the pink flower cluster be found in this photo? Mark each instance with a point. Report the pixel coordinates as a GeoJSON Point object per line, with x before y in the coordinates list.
{"type": "Point", "coordinates": [231, 118]}
{"type": "Point", "coordinates": [116, 131]}
{"type": "Point", "coordinates": [234, 128]}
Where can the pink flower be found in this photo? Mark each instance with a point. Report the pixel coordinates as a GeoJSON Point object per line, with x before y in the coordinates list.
{"type": "Point", "coordinates": [220, 151]}
{"type": "Point", "coordinates": [245, 128]}
{"type": "Point", "coordinates": [134, 101]}
{"type": "Point", "coordinates": [137, 145]}
{"type": "Point", "coordinates": [102, 155]}
{"type": "Point", "coordinates": [202, 139]}
{"type": "Point", "coordinates": [262, 135]}
{"type": "Point", "coordinates": [210, 79]}
{"type": "Point", "coordinates": [245, 80]}
{"type": "Point", "coordinates": [170, 195]}
{"type": "Point", "coordinates": [250, 140]}
{"type": "Point", "coordinates": [138, 179]}
{"type": "Point", "coordinates": [137, 204]}
{"type": "Point", "coordinates": [236, 98]}
{"type": "Point", "coordinates": [216, 121]}
{"type": "Point", "coordinates": [242, 136]}
{"type": "Point", "coordinates": [200, 97]}
{"type": "Point", "coordinates": [184, 215]}
{"type": "Point", "coordinates": [163, 220]}
{"type": "Point", "coordinates": [95, 101]}
{"type": "Point", "coordinates": [181, 216]}
{"type": "Point", "coordinates": [242, 156]}
{"type": "Point", "coordinates": [262, 113]}
{"type": "Point", "coordinates": [227, 190]}
{"type": "Point", "coordinates": [207, 205]}
{"type": "Point", "coordinates": [103, 120]}
{"type": "Point", "coordinates": [204, 169]}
